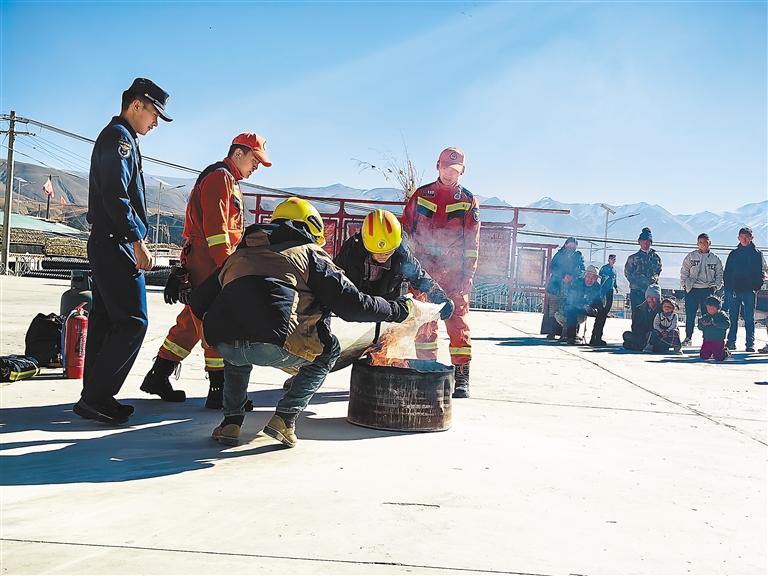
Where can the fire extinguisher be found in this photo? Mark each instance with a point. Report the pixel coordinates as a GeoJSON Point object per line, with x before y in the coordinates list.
{"type": "Point", "coordinates": [74, 337]}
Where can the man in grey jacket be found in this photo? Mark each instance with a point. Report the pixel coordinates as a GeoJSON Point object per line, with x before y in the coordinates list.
{"type": "Point", "coordinates": [701, 275]}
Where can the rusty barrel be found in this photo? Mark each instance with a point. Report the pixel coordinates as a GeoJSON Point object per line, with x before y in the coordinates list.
{"type": "Point", "coordinates": [415, 399]}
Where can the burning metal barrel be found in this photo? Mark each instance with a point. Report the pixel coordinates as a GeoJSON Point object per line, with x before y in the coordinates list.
{"type": "Point", "coordinates": [414, 396]}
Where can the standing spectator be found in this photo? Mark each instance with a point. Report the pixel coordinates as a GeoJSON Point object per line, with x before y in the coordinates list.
{"type": "Point", "coordinates": [701, 275]}
{"type": "Point", "coordinates": [743, 277]}
{"type": "Point", "coordinates": [567, 264]}
{"type": "Point", "coordinates": [117, 212]}
{"type": "Point", "coordinates": [443, 221]}
{"type": "Point", "coordinates": [642, 319]}
{"type": "Point", "coordinates": [609, 285]}
{"type": "Point", "coordinates": [714, 324]}
{"type": "Point", "coordinates": [213, 227]}
{"type": "Point", "coordinates": [642, 268]}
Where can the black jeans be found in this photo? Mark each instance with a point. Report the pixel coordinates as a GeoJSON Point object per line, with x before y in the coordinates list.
{"type": "Point", "coordinates": [695, 300]}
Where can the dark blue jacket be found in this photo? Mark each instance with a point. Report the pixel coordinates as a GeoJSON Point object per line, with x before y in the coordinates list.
{"type": "Point", "coordinates": [564, 262]}
{"type": "Point", "coordinates": [116, 200]}
{"type": "Point", "coordinates": [404, 268]}
{"type": "Point", "coordinates": [743, 269]}
{"type": "Point", "coordinates": [582, 298]}
{"type": "Point", "coordinates": [607, 278]}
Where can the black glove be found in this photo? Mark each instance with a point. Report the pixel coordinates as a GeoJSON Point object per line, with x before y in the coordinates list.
{"type": "Point", "coordinates": [177, 287]}
{"type": "Point", "coordinates": [437, 296]}
{"type": "Point", "coordinates": [447, 310]}
{"type": "Point", "coordinates": [401, 308]}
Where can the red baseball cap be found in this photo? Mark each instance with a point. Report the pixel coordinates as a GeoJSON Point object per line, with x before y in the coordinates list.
{"type": "Point", "coordinates": [452, 158]}
{"type": "Point", "coordinates": [255, 143]}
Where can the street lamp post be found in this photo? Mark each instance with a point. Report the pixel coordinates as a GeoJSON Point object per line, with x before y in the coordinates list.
{"type": "Point", "coordinates": [608, 212]}
{"type": "Point", "coordinates": [608, 224]}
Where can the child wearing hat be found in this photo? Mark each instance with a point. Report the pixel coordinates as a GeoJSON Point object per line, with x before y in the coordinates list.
{"type": "Point", "coordinates": [665, 334]}
{"type": "Point", "coordinates": [714, 324]}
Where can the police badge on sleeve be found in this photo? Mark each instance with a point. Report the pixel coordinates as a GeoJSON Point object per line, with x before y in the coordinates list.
{"type": "Point", "coordinates": [124, 148]}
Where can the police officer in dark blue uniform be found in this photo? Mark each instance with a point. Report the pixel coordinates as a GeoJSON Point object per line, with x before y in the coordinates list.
{"type": "Point", "coordinates": [118, 255]}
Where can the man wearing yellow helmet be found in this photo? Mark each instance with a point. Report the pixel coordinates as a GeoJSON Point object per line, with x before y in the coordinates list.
{"type": "Point", "coordinates": [379, 261]}
{"type": "Point", "coordinates": [270, 305]}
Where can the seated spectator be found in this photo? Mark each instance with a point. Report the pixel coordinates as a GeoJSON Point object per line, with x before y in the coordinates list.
{"type": "Point", "coordinates": [584, 298]}
{"type": "Point", "coordinates": [642, 319]}
{"type": "Point", "coordinates": [665, 334]}
{"type": "Point", "coordinates": [714, 324]}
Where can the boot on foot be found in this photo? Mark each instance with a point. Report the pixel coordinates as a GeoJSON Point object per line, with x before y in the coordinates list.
{"type": "Point", "coordinates": [215, 399]}
{"type": "Point", "coordinates": [461, 379]}
{"type": "Point", "coordinates": [157, 381]}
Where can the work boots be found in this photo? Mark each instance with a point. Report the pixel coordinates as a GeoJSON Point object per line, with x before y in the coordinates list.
{"type": "Point", "coordinates": [215, 399]}
{"type": "Point", "coordinates": [461, 379]}
{"type": "Point", "coordinates": [157, 381]}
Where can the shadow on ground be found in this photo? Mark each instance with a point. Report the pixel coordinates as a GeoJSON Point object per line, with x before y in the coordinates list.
{"type": "Point", "coordinates": [51, 445]}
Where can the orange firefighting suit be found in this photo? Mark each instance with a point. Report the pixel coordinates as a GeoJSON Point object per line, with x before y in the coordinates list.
{"type": "Point", "coordinates": [443, 223]}
{"type": "Point", "coordinates": [213, 227]}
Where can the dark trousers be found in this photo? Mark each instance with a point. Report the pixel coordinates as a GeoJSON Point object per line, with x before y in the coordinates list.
{"type": "Point", "coordinates": [572, 322]}
{"type": "Point", "coordinates": [694, 301]}
{"type": "Point", "coordinates": [743, 302]}
{"type": "Point", "coordinates": [118, 320]}
{"type": "Point", "coordinates": [608, 302]}
{"type": "Point", "coordinates": [636, 297]}
{"type": "Point", "coordinates": [713, 349]}
{"type": "Point", "coordinates": [663, 341]}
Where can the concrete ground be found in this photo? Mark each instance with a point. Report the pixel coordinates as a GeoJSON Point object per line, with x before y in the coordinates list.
{"type": "Point", "coordinates": [566, 460]}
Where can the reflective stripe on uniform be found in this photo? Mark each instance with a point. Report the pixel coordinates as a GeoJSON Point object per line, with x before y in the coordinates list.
{"type": "Point", "coordinates": [14, 376]}
{"type": "Point", "coordinates": [175, 349]}
{"type": "Point", "coordinates": [426, 345]}
{"type": "Point", "coordinates": [427, 204]}
{"type": "Point", "coordinates": [216, 239]}
{"type": "Point", "coordinates": [458, 206]}
{"type": "Point", "coordinates": [470, 253]}
{"type": "Point", "coordinates": [214, 362]}
{"type": "Point", "coordinates": [465, 351]}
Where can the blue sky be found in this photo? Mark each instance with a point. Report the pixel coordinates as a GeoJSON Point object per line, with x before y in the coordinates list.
{"type": "Point", "coordinates": [584, 102]}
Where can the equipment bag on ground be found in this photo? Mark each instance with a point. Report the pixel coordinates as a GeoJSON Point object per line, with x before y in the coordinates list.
{"type": "Point", "coordinates": [43, 340]}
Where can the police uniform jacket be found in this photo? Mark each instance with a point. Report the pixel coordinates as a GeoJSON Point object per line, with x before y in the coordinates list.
{"type": "Point", "coordinates": [116, 198]}
{"type": "Point", "coordinates": [279, 287]}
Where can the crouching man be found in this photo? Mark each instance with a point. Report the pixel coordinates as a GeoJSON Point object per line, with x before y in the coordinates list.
{"type": "Point", "coordinates": [584, 298]}
{"type": "Point", "coordinates": [270, 305]}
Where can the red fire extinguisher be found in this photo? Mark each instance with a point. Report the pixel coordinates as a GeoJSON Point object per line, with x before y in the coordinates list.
{"type": "Point", "coordinates": [75, 334]}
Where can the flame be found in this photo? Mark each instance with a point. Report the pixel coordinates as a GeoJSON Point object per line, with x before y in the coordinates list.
{"type": "Point", "coordinates": [397, 341]}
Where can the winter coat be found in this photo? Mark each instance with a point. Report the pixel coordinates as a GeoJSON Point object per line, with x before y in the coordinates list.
{"type": "Point", "coordinates": [665, 322]}
{"type": "Point", "coordinates": [582, 298]}
{"type": "Point", "coordinates": [279, 287]}
{"type": "Point", "coordinates": [401, 269]}
{"type": "Point", "coordinates": [701, 270]}
{"type": "Point", "coordinates": [642, 319]}
{"type": "Point", "coordinates": [714, 327]}
{"type": "Point", "coordinates": [744, 269]}
{"type": "Point", "coordinates": [564, 262]}
{"type": "Point", "coordinates": [607, 278]}
{"type": "Point", "coordinates": [643, 269]}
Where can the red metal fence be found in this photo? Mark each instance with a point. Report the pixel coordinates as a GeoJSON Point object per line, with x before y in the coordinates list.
{"type": "Point", "coordinates": [512, 266]}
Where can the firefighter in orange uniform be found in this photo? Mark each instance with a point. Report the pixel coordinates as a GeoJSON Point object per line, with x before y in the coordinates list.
{"type": "Point", "coordinates": [213, 227]}
{"type": "Point", "coordinates": [443, 221]}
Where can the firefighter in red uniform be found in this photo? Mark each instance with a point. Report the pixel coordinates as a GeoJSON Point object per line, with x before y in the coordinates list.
{"type": "Point", "coordinates": [213, 227]}
{"type": "Point", "coordinates": [443, 221]}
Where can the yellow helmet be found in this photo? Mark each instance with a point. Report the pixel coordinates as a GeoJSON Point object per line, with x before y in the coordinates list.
{"type": "Point", "coordinates": [301, 210]}
{"type": "Point", "coordinates": [381, 232]}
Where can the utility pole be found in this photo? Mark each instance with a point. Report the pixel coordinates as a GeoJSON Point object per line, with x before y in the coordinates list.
{"type": "Point", "coordinates": [6, 247]}
{"type": "Point", "coordinates": [608, 211]}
